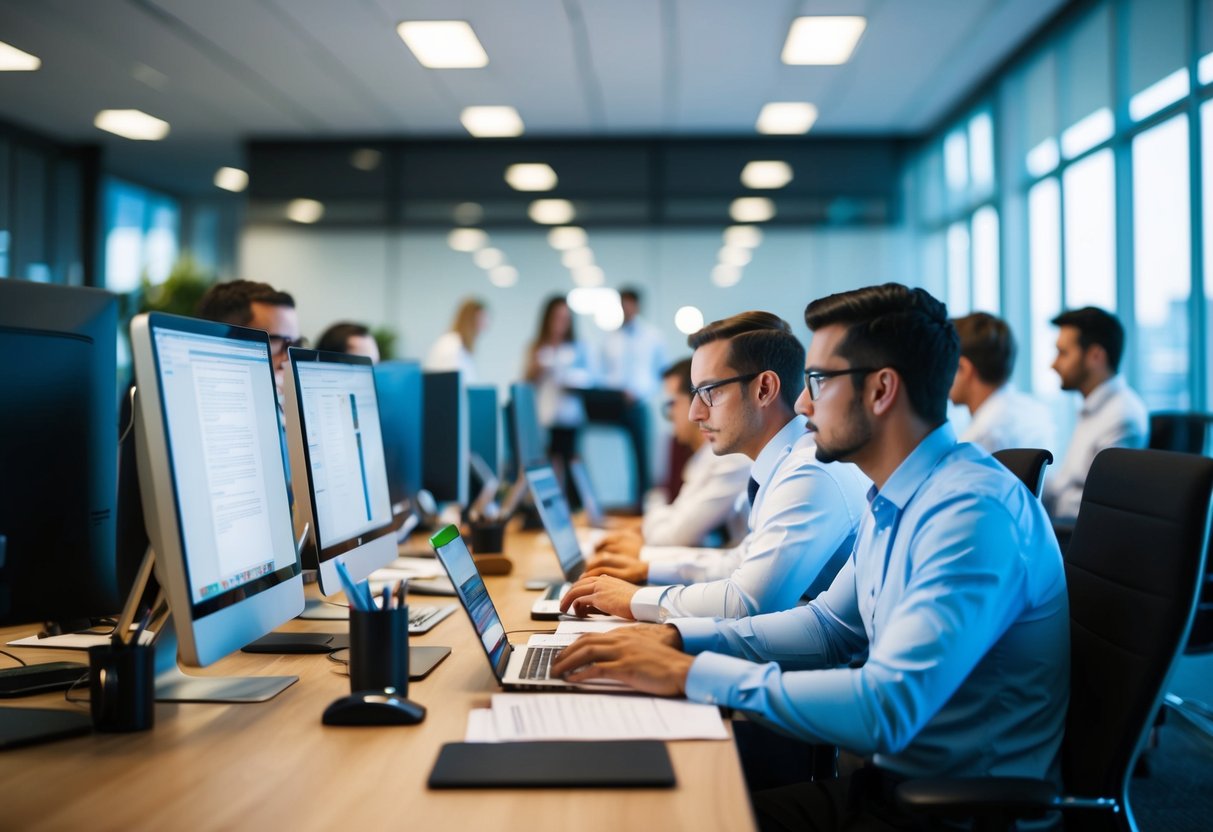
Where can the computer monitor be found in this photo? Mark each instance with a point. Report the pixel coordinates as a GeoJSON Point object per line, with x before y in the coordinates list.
{"type": "Point", "coordinates": [401, 416]}
{"type": "Point", "coordinates": [212, 475]}
{"type": "Point", "coordinates": [484, 427]}
{"type": "Point", "coordinates": [337, 464]}
{"type": "Point", "coordinates": [444, 467]}
{"type": "Point", "coordinates": [526, 437]}
{"type": "Point", "coordinates": [58, 470]}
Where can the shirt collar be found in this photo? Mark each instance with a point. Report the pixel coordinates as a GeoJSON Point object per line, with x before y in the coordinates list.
{"type": "Point", "coordinates": [773, 451]}
{"type": "Point", "coordinates": [1101, 394]}
{"type": "Point", "coordinates": [916, 467]}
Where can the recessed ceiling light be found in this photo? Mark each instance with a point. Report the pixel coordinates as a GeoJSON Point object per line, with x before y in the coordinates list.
{"type": "Point", "coordinates": [688, 319]}
{"type": "Point", "coordinates": [366, 159]}
{"type": "Point", "coordinates": [488, 258]}
{"type": "Point", "coordinates": [503, 276]}
{"type": "Point", "coordinates": [735, 256]}
{"type": "Point", "coordinates": [725, 276]}
{"type": "Point", "coordinates": [306, 211]}
{"type": "Point", "coordinates": [443, 44]}
{"type": "Point", "coordinates": [13, 59]}
{"type": "Point", "coordinates": [747, 236]}
{"type": "Point", "coordinates": [468, 213]}
{"type": "Point", "coordinates": [589, 300]}
{"type": "Point", "coordinates": [589, 276]}
{"type": "Point", "coordinates": [567, 237]}
{"type": "Point", "coordinates": [822, 40]}
{"type": "Point", "coordinates": [551, 211]}
{"type": "Point", "coordinates": [576, 258]}
{"type": "Point", "coordinates": [132, 124]}
{"type": "Point", "coordinates": [491, 122]}
{"type": "Point", "coordinates": [786, 118]}
{"type": "Point", "coordinates": [467, 239]}
{"type": "Point", "coordinates": [531, 176]}
{"type": "Point", "coordinates": [766, 175]}
{"type": "Point", "coordinates": [231, 179]}
{"type": "Point", "coordinates": [752, 209]}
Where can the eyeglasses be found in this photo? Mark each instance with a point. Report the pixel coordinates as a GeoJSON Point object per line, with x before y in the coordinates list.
{"type": "Point", "coordinates": [280, 343]}
{"type": "Point", "coordinates": [704, 392]}
{"type": "Point", "coordinates": [814, 380]}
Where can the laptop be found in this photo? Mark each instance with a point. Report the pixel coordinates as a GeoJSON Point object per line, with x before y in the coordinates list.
{"type": "Point", "coordinates": [516, 668]}
{"type": "Point", "coordinates": [571, 552]}
{"type": "Point", "coordinates": [585, 490]}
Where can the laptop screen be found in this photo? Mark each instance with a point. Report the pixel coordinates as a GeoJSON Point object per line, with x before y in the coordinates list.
{"type": "Point", "coordinates": [557, 522]}
{"type": "Point", "coordinates": [457, 560]}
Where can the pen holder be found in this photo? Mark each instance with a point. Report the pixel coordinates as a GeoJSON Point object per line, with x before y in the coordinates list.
{"type": "Point", "coordinates": [122, 686]}
{"type": "Point", "coordinates": [379, 650]}
{"type": "Point", "coordinates": [487, 538]}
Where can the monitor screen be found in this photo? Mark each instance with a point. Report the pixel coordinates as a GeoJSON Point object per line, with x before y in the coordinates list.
{"type": "Point", "coordinates": [548, 497]}
{"type": "Point", "coordinates": [457, 560]}
{"type": "Point", "coordinates": [526, 440]}
{"type": "Point", "coordinates": [484, 427]}
{"type": "Point", "coordinates": [337, 463]}
{"type": "Point", "coordinates": [401, 413]}
{"type": "Point", "coordinates": [212, 475]}
{"type": "Point", "coordinates": [445, 455]}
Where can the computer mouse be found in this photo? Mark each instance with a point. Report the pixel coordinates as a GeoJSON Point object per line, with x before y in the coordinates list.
{"type": "Point", "coordinates": [373, 707]}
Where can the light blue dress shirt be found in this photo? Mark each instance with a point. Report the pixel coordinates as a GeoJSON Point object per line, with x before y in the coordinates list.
{"type": "Point", "coordinates": [956, 595]}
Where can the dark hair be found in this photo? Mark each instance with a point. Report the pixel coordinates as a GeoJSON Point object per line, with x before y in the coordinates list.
{"type": "Point", "coordinates": [1095, 326]}
{"type": "Point", "coordinates": [630, 293]}
{"type": "Point", "coordinates": [680, 370]}
{"type": "Point", "coordinates": [988, 344]}
{"type": "Point", "coordinates": [337, 337]}
{"type": "Point", "coordinates": [899, 327]}
{"type": "Point", "coordinates": [232, 302]}
{"type": "Point", "coordinates": [759, 341]}
{"type": "Point", "coordinates": [545, 320]}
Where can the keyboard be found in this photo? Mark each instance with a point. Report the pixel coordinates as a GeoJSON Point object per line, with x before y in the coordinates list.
{"type": "Point", "coordinates": [555, 592]}
{"type": "Point", "coordinates": [538, 662]}
{"type": "Point", "coordinates": [40, 678]}
{"type": "Point", "coordinates": [423, 618]}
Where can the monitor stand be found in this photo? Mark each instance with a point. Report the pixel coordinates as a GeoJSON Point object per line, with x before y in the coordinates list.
{"type": "Point", "coordinates": [317, 609]}
{"type": "Point", "coordinates": [174, 685]}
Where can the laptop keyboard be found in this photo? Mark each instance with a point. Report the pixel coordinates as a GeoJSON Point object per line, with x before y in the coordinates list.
{"type": "Point", "coordinates": [538, 662]}
{"type": "Point", "coordinates": [555, 592]}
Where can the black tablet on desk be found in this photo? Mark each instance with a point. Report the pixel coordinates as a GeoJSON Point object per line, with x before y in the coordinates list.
{"type": "Point", "coordinates": [617, 764]}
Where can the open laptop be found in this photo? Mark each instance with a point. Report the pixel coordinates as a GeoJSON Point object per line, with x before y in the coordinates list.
{"type": "Point", "coordinates": [585, 490]}
{"type": "Point", "coordinates": [571, 552]}
{"type": "Point", "coordinates": [516, 668]}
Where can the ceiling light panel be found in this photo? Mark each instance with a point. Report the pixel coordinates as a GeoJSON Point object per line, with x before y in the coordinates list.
{"type": "Point", "coordinates": [822, 41]}
{"type": "Point", "coordinates": [752, 209]}
{"type": "Point", "coordinates": [551, 211]}
{"type": "Point", "coordinates": [443, 44]}
{"type": "Point", "coordinates": [491, 121]}
{"type": "Point", "coordinates": [467, 239]}
{"type": "Point", "coordinates": [13, 59]}
{"type": "Point", "coordinates": [746, 236]}
{"type": "Point", "coordinates": [306, 211]}
{"type": "Point", "coordinates": [566, 237]}
{"type": "Point", "coordinates": [786, 118]}
{"type": "Point", "coordinates": [231, 179]}
{"type": "Point", "coordinates": [531, 176]}
{"type": "Point", "coordinates": [132, 124]}
{"type": "Point", "coordinates": [766, 175]}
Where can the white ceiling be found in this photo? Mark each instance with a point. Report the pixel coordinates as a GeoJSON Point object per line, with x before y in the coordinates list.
{"type": "Point", "coordinates": [223, 70]}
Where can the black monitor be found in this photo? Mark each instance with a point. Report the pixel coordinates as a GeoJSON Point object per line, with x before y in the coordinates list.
{"type": "Point", "coordinates": [484, 427]}
{"type": "Point", "coordinates": [402, 416]}
{"type": "Point", "coordinates": [58, 469]}
{"type": "Point", "coordinates": [526, 437]}
{"type": "Point", "coordinates": [444, 467]}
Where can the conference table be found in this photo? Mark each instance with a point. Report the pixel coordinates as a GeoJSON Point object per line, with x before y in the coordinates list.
{"type": "Point", "coordinates": [274, 766]}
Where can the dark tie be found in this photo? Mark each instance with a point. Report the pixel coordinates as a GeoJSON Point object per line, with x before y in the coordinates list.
{"type": "Point", "coordinates": [752, 489]}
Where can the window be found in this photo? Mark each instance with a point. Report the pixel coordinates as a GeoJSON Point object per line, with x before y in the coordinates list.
{"type": "Point", "coordinates": [1162, 270]}
{"type": "Point", "coordinates": [1086, 85]}
{"type": "Point", "coordinates": [985, 261]}
{"type": "Point", "coordinates": [1157, 66]}
{"type": "Point", "coordinates": [1044, 264]}
{"type": "Point", "coordinates": [1089, 193]}
{"type": "Point", "coordinates": [959, 302]}
{"type": "Point", "coordinates": [140, 238]}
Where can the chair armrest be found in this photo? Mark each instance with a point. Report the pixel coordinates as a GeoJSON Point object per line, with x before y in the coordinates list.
{"type": "Point", "coordinates": [1008, 797]}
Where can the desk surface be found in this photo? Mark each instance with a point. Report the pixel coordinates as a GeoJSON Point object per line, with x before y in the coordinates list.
{"type": "Point", "coordinates": [274, 766]}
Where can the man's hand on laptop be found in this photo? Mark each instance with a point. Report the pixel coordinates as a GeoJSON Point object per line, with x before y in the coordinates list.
{"type": "Point", "coordinates": [634, 659]}
{"type": "Point", "coordinates": [624, 543]}
{"type": "Point", "coordinates": [618, 566]}
{"type": "Point", "coordinates": [599, 594]}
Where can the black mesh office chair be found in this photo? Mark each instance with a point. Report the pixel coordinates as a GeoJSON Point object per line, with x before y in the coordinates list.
{"type": "Point", "coordinates": [1026, 463]}
{"type": "Point", "coordinates": [1181, 431]}
{"type": "Point", "coordinates": [1133, 570]}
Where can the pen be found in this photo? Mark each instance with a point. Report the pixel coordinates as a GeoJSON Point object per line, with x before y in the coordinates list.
{"type": "Point", "coordinates": [387, 597]}
{"type": "Point", "coordinates": [352, 592]}
{"type": "Point", "coordinates": [402, 587]}
{"type": "Point", "coordinates": [147, 616]}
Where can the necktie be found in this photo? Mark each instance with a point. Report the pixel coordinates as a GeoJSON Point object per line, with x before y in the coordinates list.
{"type": "Point", "coordinates": [752, 489]}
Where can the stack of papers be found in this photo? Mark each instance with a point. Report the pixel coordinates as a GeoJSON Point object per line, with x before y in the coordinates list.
{"type": "Point", "coordinates": [590, 716]}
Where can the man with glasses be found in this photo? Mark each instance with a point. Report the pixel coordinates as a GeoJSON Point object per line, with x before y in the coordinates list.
{"type": "Point", "coordinates": [747, 375]}
{"type": "Point", "coordinates": [257, 306]}
{"type": "Point", "coordinates": [942, 647]}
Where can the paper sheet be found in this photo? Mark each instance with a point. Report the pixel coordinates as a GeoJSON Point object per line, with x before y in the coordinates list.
{"type": "Point", "coordinates": [74, 641]}
{"type": "Point", "coordinates": [589, 716]}
{"type": "Point", "coordinates": [480, 726]}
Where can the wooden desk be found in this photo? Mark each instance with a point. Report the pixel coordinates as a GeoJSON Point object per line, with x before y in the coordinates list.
{"type": "Point", "coordinates": [273, 766]}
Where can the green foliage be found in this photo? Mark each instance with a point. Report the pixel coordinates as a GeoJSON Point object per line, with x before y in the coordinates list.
{"type": "Point", "coordinates": [385, 338]}
{"type": "Point", "coordinates": [180, 293]}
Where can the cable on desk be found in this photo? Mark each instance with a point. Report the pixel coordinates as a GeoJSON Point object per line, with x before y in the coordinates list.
{"type": "Point", "coordinates": [17, 659]}
{"type": "Point", "coordinates": [80, 700]}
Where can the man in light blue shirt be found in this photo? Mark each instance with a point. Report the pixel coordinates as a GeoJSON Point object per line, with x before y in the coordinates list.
{"type": "Point", "coordinates": [954, 599]}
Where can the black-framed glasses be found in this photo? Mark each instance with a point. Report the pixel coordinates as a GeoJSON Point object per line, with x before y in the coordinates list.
{"type": "Point", "coordinates": [814, 380]}
{"type": "Point", "coordinates": [704, 392]}
{"type": "Point", "coordinates": [280, 343]}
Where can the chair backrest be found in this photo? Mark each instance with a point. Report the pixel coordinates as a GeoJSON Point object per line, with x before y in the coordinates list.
{"type": "Point", "coordinates": [1133, 568]}
{"type": "Point", "coordinates": [1181, 431]}
{"type": "Point", "coordinates": [1026, 463]}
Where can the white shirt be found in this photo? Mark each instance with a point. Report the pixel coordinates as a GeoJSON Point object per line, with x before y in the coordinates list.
{"type": "Point", "coordinates": [1010, 419]}
{"type": "Point", "coordinates": [633, 359]}
{"type": "Point", "coordinates": [447, 355]}
{"type": "Point", "coordinates": [1113, 416]}
{"type": "Point", "coordinates": [803, 525]}
{"type": "Point", "coordinates": [564, 365]}
{"type": "Point", "coordinates": [710, 487]}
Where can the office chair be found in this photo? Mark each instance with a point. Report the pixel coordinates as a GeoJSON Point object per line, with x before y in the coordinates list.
{"type": "Point", "coordinates": [1133, 570]}
{"type": "Point", "coordinates": [1180, 431]}
{"type": "Point", "coordinates": [1026, 463]}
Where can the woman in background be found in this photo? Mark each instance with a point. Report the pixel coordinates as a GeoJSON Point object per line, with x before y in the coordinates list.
{"type": "Point", "coordinates": [453, 350]}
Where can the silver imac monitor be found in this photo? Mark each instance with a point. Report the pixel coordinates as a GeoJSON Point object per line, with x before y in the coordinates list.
{"type": "Point", "coordinates": [337, 464]}
{"type": "Point", "coordinates": [213, 484]}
